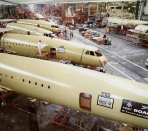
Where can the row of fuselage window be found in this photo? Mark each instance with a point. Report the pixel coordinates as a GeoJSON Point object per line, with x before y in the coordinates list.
{"type": "Point", "coordinates": [19, 44]}
{"type": "Point", "coordinates": [23, 80]}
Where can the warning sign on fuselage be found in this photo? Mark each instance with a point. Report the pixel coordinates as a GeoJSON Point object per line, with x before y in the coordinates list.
{"type": "Point", "coordinates": [61, 49]}
{"type": "Point", "coordinates": [105, 100]}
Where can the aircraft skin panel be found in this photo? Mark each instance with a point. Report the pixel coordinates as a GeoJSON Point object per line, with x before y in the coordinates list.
{"type": "Point", "coordinates": [25, 44]}
{"type": "Point", "coordinates": [67, 82]}
{"type": "Point", "coordinates": [43, 24]}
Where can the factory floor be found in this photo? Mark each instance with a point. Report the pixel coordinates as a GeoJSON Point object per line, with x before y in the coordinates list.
{"type": "Point", "coordinates": [123, 60]}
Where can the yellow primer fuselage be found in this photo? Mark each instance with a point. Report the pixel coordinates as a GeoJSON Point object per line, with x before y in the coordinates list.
{"type": "Point", "coordinates": [114, 21]}
{"type": "Point", "coordinates": [142, 32]}
{"type": "Point", "coordinates": [27, 29]}
{"type": "Point", "coordinates": [39, 16]}
{"type": "Point", "coordinates": [62, 84]}
{"type": "Point", "coordinates": [25, 44]}
{"type": "Point", "coordinates": [40, 23]}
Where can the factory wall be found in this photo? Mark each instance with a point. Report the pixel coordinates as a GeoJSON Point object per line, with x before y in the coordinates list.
{"type": "Point", "coordinates": [5, 10]}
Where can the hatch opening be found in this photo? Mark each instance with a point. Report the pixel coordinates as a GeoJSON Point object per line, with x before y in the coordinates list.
{"type": "Point", "coordinates": [85, 101]}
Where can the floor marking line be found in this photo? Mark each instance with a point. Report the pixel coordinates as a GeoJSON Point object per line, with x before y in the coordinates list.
{"type": "Point", "coordinates": [122, 73]}
{"type": "Point", "coordinates": [119, 56]}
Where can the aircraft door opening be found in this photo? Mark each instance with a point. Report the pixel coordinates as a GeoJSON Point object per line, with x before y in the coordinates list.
{"type": "Point", "coordinates": [53, 52]}
{"type": "Point", "coordinates": [28, 32]}
{"type": "Point", "coordinates": [85, 101]}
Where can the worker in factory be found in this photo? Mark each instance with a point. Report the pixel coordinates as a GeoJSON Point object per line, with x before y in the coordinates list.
{"type": "Point", "coordinates": [72, 33]}
{"type": "Point", "coordinates": [65, 32]}
{"type": "Point", "coordinates": [39, 47]}
{"type": "Point", "coordinates": [79, 31]}
{"type": "Point", "coordinates": [107, 15]}
{"type": "Point", "coordinates": [104, 36]}
{"type": "Point", "coordinates": [90, 25]}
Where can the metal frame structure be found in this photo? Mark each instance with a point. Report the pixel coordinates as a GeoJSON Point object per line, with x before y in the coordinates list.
{"type": "Point", "coordinates": [60, 124]}
{"type": "Point", "coordinates": [22, 14]}
{"type": "Point", "coordinates": [119, 29]}
{"type": "Point", "coordinates": [136, 39]}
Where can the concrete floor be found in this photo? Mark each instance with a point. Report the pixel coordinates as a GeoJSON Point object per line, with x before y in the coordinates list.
{"type": "Point", "coordinates": [135, 54]}
{"type": "Point", "coordinates": [17, 120]}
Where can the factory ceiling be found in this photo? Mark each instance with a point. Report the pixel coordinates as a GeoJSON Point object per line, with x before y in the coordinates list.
{"type": "Point", "coordinates": [9, 2]}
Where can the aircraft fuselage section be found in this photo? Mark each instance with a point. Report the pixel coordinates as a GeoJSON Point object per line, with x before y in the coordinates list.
{"type": "Point", "coordinates": [76, 52]}
{"type": "Point", "coordinates": [74, 87]}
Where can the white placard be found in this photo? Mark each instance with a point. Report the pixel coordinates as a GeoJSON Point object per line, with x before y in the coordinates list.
{"type": "Point", "coordinates": [35, 30]}
{"type": "Point", "coordinates": [61, 49]}
{"type": "Point", "coordinates": [107, 102]}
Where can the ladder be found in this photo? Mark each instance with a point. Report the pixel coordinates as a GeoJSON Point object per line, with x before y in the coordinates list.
{"type": "Point", "coordinates": [37, 55]}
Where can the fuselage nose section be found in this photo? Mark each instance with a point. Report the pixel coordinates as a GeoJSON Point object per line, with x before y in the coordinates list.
{"type": "Point", "coordinates": [102, 60]}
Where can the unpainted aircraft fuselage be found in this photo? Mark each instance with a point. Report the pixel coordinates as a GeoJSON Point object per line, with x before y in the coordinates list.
{"type": "Point", "coordinates": [28, 30]}
{"type": "Point", "coordinates": [41, 23]}
{"type": "Point", "coordinates": [78, 53]}
{"type": "Point", "coordinates": [81, 89]}
{"type": "Point", "coordinates": [114, 21]}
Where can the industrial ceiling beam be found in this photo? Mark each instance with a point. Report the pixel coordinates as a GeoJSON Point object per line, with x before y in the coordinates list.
{"type": "Point", "coordinates": [88, 8]}
{"type": "Point", "coordinates": [82, 7]}
{"type": "Point", "coordinates": [7, 2]}
{"type": "Point", "coordinates": [97, 7]}
{"type": "Point", "coordinates": [108, 7]}
{"type": "Point", "coordinates": [137, 9]}
{"type": "Point", "coordinates": [58, 1]}
{"type": "Point", "coordinates": [141, 9]}
{"type": "Point", "coordinates": [122, 8]}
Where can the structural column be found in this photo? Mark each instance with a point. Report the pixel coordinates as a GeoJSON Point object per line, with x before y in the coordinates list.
{"type": "Point", "coordinates": [76, 6]}
{"type": "Point", "coordinates": [82, 7]}
{"type": "Point", "coordinates": [72, 7]}
{"type": "Point", "coordinates": [108, 7]}
{"type": "Point", "coordinates": [137, 9]}
{"type": "Point", "coordinates": [141, 9]}
{"type": "Point", "coordinates": [122, 8]}
{"type": "Point", "coordinates": [114, 7]}
{"type": "Point", "coordinates": [97, 7]}
{"type": "Point", "coordinates": [88, 8]}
